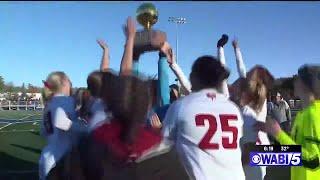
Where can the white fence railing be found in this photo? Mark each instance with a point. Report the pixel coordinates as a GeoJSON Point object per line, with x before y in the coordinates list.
{"type": "Point", "coordinates": [22, 105]}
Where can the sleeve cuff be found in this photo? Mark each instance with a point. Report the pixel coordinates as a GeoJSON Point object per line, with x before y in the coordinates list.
{"type": "Point", "coordinates": [283, 138]}
{"type": "Point", "coordinates": [61, 120]}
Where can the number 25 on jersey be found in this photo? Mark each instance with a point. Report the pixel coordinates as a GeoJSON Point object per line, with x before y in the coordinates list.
{"type": "Point", "coordinates": [205, 143]}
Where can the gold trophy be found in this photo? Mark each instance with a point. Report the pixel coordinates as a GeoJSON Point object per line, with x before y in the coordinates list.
{"type": "Point", "coordinates": [147, 39]}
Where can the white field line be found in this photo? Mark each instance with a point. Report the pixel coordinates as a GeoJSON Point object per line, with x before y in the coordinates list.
{"type": "Point", "coordinates": [34, 121]}
{"type": "Point", "coordinates": [14, 131]}
{"type": "Point", "coordinates": [25, 117]}
{"type": "Point", "coordinates": [27, 121]}
{"type": "Point", "coordinates": [5, 126]}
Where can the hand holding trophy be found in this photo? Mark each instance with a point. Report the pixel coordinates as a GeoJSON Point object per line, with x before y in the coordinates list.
{"type": "Point", "coordinates": [147, 39]}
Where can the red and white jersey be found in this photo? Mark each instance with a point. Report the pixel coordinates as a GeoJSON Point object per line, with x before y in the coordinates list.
{"type": "Point", "coordinates": [206, 127]}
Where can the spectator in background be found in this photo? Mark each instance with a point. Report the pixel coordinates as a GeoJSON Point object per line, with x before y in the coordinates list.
{"type": "Point", "coordinates": [269, 102]}
{"type": "Point", "coordinates": [280, 110]}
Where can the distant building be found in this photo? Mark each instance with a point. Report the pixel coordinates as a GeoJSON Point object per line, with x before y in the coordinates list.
{"type": "Point", "coordinates": [34, 96]}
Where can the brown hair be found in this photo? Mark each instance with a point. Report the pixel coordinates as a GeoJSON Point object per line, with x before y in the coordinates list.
{"type": "Point", "coordinates": [260, 73]}
{"type": "Point", "coordinates": [310, 76]}
{"type": "Point", "coordinates": [82, 96]}
{"type": "Point", "coordinates": [256, 92]}
{"type": "Point", "coordinates": [128, 99]}
{"type": "Point", "coordinates": [256, 86]}
{"type": "Point", "coordinates": [94, 83]}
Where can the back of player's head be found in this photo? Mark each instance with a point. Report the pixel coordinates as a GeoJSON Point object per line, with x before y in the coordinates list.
{"type": "Point", "coordinates": [256, 93]}
{"type": "Point", "coordinates": [260, 73]}
{"type": "Point", "coordinates": [207, 72]}
{"type": "Point", "coordinates": [128, 99]}
{"type": "Point", "coordinates": [94, 83]}
{"type": "Point", "coordinates": [256, 85]}
{"type": "Point", "coordinates": [82, 97]}
{"type": "Point", "coordinates": [310, 76]}
{"type": "Point", "coordinates": [54, 83]}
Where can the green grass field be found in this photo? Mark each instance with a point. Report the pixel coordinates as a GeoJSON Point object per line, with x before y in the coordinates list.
{"type": "Point", "coordinates": [20, 146]}
{"type": "Point", "coordinates": [20, 115]}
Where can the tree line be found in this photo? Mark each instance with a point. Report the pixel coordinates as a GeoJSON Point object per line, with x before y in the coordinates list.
{"type": "Point", "coordinates": [11, 88]}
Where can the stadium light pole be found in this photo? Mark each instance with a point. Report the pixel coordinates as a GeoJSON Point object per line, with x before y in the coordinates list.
{"type": "Point", "coordinates": [177, 21]}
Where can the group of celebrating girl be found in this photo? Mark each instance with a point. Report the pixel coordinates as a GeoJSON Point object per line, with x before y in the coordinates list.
{"type": "Point", "coordinates": [127, 126]}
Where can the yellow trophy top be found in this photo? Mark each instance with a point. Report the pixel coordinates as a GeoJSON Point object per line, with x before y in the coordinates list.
{"type": "Point", "coordinates": [147, 15]}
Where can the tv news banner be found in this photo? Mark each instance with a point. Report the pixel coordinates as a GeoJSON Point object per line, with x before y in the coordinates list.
{"type": "Point", "coordinates": [276, 155]}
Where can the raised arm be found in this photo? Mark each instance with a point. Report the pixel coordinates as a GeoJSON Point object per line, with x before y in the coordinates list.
{"type": "Point", "coordinates": [175, 67]}
{"type": "Point", "coordinates": [240, 64]}
{"type": "Point", "coordinates": [181, 77]}
{"type": "Point", "coordinates": [163, 81]}
{"type": "Point", "coordinates": [127, 58]}
{"type": "Point", "coordinates": [105, 55]}
{"type": "Point", "coordinates": [222, 41]}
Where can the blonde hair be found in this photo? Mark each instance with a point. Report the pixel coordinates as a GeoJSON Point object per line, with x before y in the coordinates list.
{"type": "Point", "coordinates": [53, 83]}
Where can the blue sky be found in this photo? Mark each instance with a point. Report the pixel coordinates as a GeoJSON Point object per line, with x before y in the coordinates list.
{"type": "Point", "coordinates": [39, 37]}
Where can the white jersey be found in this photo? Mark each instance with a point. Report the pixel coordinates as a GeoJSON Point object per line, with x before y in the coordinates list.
{"type": "Point", "coordinates": [251, 135]}
{"type": "Point", "coordinates": [59, 125]}
{"type": "Point", "coordinates": [250, 118]}
{"type": "Point", "coordinates": [206, 127]}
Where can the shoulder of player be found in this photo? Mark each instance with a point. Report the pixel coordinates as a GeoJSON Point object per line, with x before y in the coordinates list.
{"type": "Point", "coordinates": [248, 113]}
{"type": "Point", "coordinates": [185, 99]}
{"type": "Point", "coordinates": [247, 110]}
{"type": "Point", "coordinates": [233, 106]}
{"type": "Point", "coordinates": [179, 102]}
{"type": "Point", "coordinates": [312, 113]}
{"type": "Point", "coordinates": [63, 102]}
{"type": "Point", "coordinates": [175, 108]}
{"type": "Point", "coordinates": [283, 103]}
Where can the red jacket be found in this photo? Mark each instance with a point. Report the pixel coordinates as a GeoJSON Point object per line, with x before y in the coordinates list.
{"type": "Point", "coordinates": [109, 135]}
